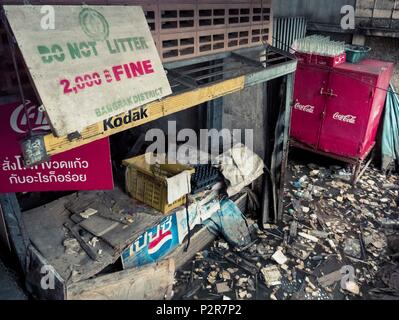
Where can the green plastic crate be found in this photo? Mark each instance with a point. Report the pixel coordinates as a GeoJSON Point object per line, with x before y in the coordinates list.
{"type": "Point", "coordinates": [355, 54]}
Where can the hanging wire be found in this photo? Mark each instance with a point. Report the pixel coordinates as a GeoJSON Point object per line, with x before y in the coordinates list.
{"type": "Point", "coordinates": [334, 70]}
{"type": "Point", "coordinates": [11, 43]}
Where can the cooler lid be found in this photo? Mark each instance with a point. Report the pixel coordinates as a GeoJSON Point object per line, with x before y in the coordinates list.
{"type": "Point", "coordinates": [369, 66]}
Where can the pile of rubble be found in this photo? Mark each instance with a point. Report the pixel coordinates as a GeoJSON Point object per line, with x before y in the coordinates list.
{"type": "Point", "coordinates": [335, 242]}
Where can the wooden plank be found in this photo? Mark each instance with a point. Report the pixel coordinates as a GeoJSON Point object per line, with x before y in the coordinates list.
{"type": "Point", "coordinates": [151, 282]}
{"type": "Point", "coordinates": [85, 246]}
{"type": "Point", "coordinates": [55, 145]}
{"type": "Point", "coordinates": [98, 225]}
{"type": "Point", "coordinates": [289, 91]}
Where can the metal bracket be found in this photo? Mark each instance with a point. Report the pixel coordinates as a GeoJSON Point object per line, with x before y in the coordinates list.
{"type": "Point", "coordinates": [74, 136]}
{"type": "Point", "coordinates": [183, 79]}
{"type": "Point", "coordinates": [247, 60]}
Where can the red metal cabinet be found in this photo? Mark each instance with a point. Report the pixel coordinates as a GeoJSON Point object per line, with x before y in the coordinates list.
{"type": "Point", "coordinates": [309, 104]}
{"type": "Point", "coordinates": [347, 102]}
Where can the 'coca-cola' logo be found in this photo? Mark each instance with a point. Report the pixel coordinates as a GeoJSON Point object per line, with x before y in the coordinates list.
{"type": "Point", "coordinates": [19, 119]}
{"type": "Point", "coordinates": [305, 108]}
{"type": "Point", "coordinates": [345, 118]}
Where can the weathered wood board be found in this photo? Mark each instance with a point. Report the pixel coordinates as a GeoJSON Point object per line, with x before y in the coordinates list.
{"type": "Point", "coordinates": [97, 62]}
{"type": "Point", "coordinates": [154, 281]}
{"type": "Point", "coordinates": [98, 225]}
{"type": "Point", "coordinates": [151, 282]}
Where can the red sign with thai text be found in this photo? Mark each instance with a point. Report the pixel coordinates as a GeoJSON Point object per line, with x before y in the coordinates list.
{"type": "Point", "coordinates": [83, 168]}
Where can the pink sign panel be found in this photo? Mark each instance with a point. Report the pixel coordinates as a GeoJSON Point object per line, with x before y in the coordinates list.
{"type": "Point", "coordinates": [84, 168]}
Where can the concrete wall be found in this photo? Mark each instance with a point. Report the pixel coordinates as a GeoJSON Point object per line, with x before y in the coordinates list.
{"type": "Point", "coordinates": [322, 11]}
{"type": "Point", "coordinates": [245, 110]}
{"type": "Point", "coordinates": [378, 14]}
{"type": "Point", "coordinates": [386, 49]}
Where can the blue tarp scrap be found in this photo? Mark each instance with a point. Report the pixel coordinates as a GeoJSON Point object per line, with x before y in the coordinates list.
{"type": "Point", "coordinates": [390, 134]}
{"type": "Point", "coordinates": [230, 223]}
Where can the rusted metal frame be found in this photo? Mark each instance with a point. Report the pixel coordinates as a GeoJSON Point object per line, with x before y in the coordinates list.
{"type": "Point", "coordinates": [267, 178]}
{"type": "Point", "coordinates": [272, 206]}
{"type": "Point", "coordinates": [214, 108]}
{"type": "Point", "coordinates": [281, 148]}
{"type": "Point", "coordinates": [275, 59]}
{"type": "Point", "coordinates": [289, 91]}
{"type": "Point", "coordinates": [274, 50]}
{"type": "Point", "coordinates": [247, 60]}
{"type": "Point", "coordinates": [182, 78]}
{"type": "Point", "coordinates": [217, 73]}
{"type": "Point", "coordinates": [199, 69]}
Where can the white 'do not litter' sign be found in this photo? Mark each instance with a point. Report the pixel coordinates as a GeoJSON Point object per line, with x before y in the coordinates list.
{"type": "Point", "coordinates": [98, 62]}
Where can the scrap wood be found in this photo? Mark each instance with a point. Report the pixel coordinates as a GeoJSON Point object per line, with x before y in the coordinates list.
{"type": "Point", "coordinates": [101, 201]}
{"type": "Point", "coordinates": [98, 226]}
{"type": "Point", "coordinates": [319, 215]}
{"type": "Point", "coordinates": [88, 213]}
{"type": "Point", "coordinates": [362, 245]}
{"type": "Point", "coordinates": [273, 234]}
{"type": "Point", "coordinates": [308, 237]}
{"type": "Point", "coordinates": [92, 254]}
{"type": "Point", "coordinates": [248, 245]}
{"type": "Point", "coordinates": [241, 262]}
{"type": "Point", "coordinates": [329, 279]}
{"type": "Point", "coordinates": [222, 287]}
{"type": "Point", "coordinates": [271, 275]}
{"type": "Point", "coordinates": [78, 219]}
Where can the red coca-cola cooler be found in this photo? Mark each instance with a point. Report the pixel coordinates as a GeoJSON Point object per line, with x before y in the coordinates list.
{"type": "Point", "coordinates": [337, 109]}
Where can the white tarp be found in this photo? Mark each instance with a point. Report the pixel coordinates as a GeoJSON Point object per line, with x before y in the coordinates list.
{"type": "Point", "coordinates": [240, 166]}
